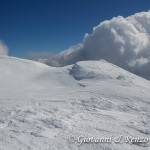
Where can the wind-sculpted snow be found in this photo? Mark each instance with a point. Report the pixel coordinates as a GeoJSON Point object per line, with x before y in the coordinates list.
{"type": "Point", "coordinates": [121, 41]}
{"type": "Point", "coordinates": [48, 108]}
{"type": "Point", "coordinates": [99, 70]}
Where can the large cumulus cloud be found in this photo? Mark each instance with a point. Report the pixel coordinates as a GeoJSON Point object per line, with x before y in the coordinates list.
{"type": "Point", "coordinates": [3, 48]}
{"type": "Point", "coordinates": [121, 41]}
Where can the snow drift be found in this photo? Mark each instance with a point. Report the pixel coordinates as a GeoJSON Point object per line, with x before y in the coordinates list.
{"type": "Point", "coordinates": [121, 41]}
{"type": "Point", "coordinates": [97, 70]}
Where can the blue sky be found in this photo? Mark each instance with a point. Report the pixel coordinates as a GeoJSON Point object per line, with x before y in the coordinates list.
{"type": "Point", "coordinates": [54, 25]}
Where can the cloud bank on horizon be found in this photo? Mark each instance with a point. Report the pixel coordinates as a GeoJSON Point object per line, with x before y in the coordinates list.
{"type": "Point", "coordinates": [121, 41]}
{"type": "Point", "coordinates": [3, 48]}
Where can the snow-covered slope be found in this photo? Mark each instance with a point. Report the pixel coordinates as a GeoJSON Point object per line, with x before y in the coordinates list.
{"type": "Point", "coordinates": [48, 108]}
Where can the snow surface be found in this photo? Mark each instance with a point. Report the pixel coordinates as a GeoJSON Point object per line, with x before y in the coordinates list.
{"type": "Point", "coordinates": [41, 106]}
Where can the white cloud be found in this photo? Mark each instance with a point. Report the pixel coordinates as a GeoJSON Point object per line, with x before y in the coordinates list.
{"type": "Point", "coordinates": [3, 48]}
{"type": "Point", "coordinates": [40, 55]}
{"type": "Point", "coordinates": [122, 41]}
